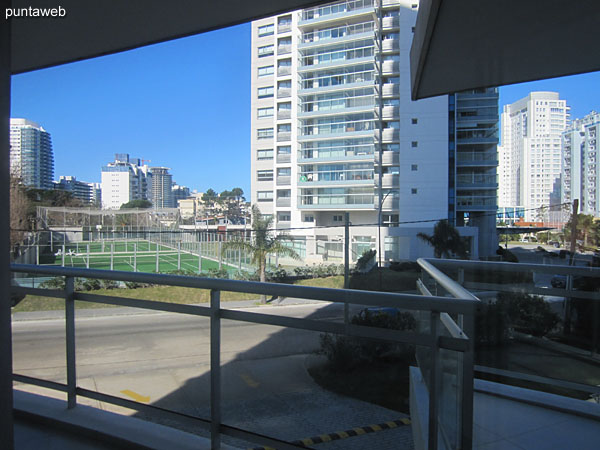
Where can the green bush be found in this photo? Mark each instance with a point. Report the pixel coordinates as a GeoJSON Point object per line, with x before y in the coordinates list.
{"type": "Point", "coordinates": [367, 256]}
{"type": "Point", "coordinates": [528, 313]}
{"type": "Point", "coordinates": [347, 352]}
{"type": "Point", "coordinates": [491, 325]}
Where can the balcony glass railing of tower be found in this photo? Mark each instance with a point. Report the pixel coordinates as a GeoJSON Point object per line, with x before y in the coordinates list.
{"type": "Point", "coordinates": [351, 197]}
{"type": "Point", "coordinates": [337, 32]}
{"type": "Point", "coordinates": [340, 54]}
{"type": "Point", "coordinates": [336, 8]}
{"type": "Point", "coordinates": [333, 78]}
{"type": "Point", "coordinates": [346, 124]}
{"type": "Point", "coordinates": [336, 150]}
{"type": "Point", "coordinates": [357, 98]}
{"type": "Point", "coordinates": [343, 173]}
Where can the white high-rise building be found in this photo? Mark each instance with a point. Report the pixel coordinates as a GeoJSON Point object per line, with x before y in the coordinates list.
{"type": "Point", "coordinates": [124, 180]}
{"type": "Point", "coordinates": [334, 131]}
{"type": "Point", "coordinates": [31, 156]}
{"type": "Point", "coordinates": [530, 155]}
{"type": "Point", "coordinates": [580, 170]}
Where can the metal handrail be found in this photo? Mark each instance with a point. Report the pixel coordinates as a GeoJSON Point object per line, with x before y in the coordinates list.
{"type": "Point", "coordinates": [433, 340]}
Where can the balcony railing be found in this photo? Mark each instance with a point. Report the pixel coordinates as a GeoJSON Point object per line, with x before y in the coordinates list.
{"type": "Point", "coordinates": [283, 136]}
{"type": "Point", "coordinates": [284, 92]}
{"type": "Point", "coordinates": [284, 158]}
{"type": "Point", "coordinates": [337, 33]}
{"type": "Point", "coordinates": [284, 70]}
{"type": "Point", "coordinates": [432, 339]}
{"type": "Point", "coordinates": [284, 114]}
{"type": "Point", "coordinates": [283, 202]}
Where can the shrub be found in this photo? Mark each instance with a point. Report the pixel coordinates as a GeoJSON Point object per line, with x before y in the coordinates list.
{"type": "Point", "coordinates": [217, 273]}
{"type": "Point", "coordinates": [367, 255]}
{"type": "Point", "coordinates": [491, 325]}
{"type": "Point", "coordinates": [109, 284]}
{"type": "Point", "coordinates": [529, 313]}
{"type": "Point", "coordinates": [347, 352]}
{"type": "Point", "coordinates": [54, 283]}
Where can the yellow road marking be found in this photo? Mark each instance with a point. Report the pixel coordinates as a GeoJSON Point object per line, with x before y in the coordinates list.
{"type": "Point", "coordinates": [325, 437]}
{"type": "Point", "coordinates": [308, 442]}
{"type": "Point", "coordinates": [137, 397]}
{"type": "Point", "coordinates": [249, 381]}
{"type": "Point", "coordinates": [375, 427]}
{"type": "Point", "coordinates": [359, 431]}
{"type": "Point", "coordinates": [342, 434]}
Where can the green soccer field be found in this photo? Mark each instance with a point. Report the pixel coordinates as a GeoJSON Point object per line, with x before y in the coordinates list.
{"type": "Point", "coordinates": [140, 256]}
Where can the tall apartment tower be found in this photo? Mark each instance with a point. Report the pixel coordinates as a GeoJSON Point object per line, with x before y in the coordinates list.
{"type": "Point", "coordinates": [88, 193]}
{"type": "Point", "coordinates": [473, 164]}
{"type": "Point", "coordinates": [31, 156]}
{"type": "Point", "coordinates": [531, 152]}
{"type": "Point", "coordinates": [334, 130]}
{"type": "Point", "coordinates": [580, 171]}
{"type": "Point", "coordinates": [162, 188]}
{"type": "Point", "coordinates": [124, 180]}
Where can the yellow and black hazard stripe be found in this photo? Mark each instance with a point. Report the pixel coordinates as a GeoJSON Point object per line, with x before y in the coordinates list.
{"type": "Point", "coordinates": [358, 431]}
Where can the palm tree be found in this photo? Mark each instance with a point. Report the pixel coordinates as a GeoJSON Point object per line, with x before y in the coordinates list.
{"type": "Point", "coordinates": [445, 240]}
{"type": "Point", "coordinates": [262, 244]}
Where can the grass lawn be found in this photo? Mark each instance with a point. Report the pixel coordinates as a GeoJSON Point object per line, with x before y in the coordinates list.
{"type": "Point", "coordinates": [170, 294]}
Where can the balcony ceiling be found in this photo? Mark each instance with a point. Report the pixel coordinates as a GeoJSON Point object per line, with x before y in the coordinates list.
{"type": "Point", "coordinates": [463, 44]}
{"type": "Point", "coordinates": [94, 28]}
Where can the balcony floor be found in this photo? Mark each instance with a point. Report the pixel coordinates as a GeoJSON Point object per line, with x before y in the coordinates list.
{"type": "Point", "coordinates": [502, 423]}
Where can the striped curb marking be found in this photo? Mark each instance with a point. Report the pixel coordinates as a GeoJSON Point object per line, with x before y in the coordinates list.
{"type": "Point", "coordinates": [358, 431]}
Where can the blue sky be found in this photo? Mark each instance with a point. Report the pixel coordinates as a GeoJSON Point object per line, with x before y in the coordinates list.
{"type": "Point", "coordinates": [183, 104]}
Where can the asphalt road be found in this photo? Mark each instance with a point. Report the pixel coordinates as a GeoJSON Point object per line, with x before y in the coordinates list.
{"type": "Point", "coordinates": [121, 344]}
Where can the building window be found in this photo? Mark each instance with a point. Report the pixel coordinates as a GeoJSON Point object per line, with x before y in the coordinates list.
{"type": "Point", "coordinates": [284, 172]}
{"type": "Point", "coordinates": [267, 50]}
{"type": "Point", "coordinates": [264, 133]}
{"type": "Point", "coordinates": [414, 167]}
{"type": "Point", "coordinates": [265, 112]}
{"type": "Point", "coordinates": [266, 70]}
{"type": "Point", "coordinates": [284, 150]}
{"type": "Point", "coordinates": [285, 21]}
{"type": "Point", "coordinates": [308, 218]}
{"type": "Point", "coordinates": [338, 218]}
{"type": "Point", "coordinates": [266, 30]}
{"type": "Point", "coordinates": [284, 193]}
{"type": "Point", "coordinates": [414, 121]}
{"type": "Point", "coordinates": [264, 175]}
{"type": "Point", "coordinates": [414, 144]}
{"type": "Point", "coordinates": [413, 191]}
{"type": "Point", "coordinates": [264, 154]}
{"type": "Point", "coordinates": [284, 127]}
{"type": "Point", "coordinates": [265, 92]}
{"type": "Point", "coordinates": [284, 216]}
{"type": "Point", "coordinates": [264, 196]}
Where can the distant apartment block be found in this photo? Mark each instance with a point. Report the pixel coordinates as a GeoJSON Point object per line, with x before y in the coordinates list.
{"type": "Point", "coordinates": [124, 180]}
{"type": "Point", "coordinates": [334, 130]}
{"type": "Point", "coordinates": [162, 188]}
{"type": "Point", "coordinates": [187, 208]}
{"type": "Point", "coordinates": [88, 193]}
{"type": "Point", "coordinates": [31, 156]}
{"type": "Point", "coordinates": [180, 192]}
{"type": "Point", "coordinates": [580, 170]}
{"type": "Point", "coordinates": [530, 155]}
